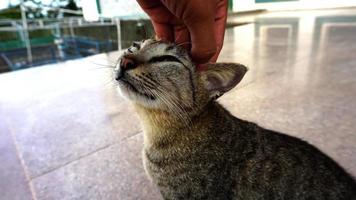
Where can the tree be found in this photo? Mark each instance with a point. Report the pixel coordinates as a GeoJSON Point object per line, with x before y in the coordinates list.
{"type": "Point", "coordinates": [37, 9]}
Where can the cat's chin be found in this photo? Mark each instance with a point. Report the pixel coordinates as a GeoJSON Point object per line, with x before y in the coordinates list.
{"type": "Point", "coordinates": [143, 100]}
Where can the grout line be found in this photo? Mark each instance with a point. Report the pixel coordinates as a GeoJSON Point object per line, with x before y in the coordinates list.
{"type": "Point", "coordinates": [76, 159]}
{"type": "Point", "coordinates": [85, 155]}
{"type": "Point", "coordinates": [22, 161]}
{"type": "Point", "coordinates": [130, 136]}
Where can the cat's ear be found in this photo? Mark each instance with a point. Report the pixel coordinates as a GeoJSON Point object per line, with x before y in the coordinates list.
{"type": "Point", "coordinates": [219, 78]}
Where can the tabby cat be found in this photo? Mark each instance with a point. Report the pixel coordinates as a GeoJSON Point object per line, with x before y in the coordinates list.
{"type": "Point", "coordinates": [195, 149]}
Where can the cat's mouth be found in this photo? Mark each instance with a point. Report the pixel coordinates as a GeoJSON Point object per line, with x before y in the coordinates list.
{"type": "Point", "coordinates": [132, 88]}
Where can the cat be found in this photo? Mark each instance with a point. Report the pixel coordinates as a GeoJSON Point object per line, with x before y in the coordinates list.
{"type": "Point", "coordinates": [195, 149]}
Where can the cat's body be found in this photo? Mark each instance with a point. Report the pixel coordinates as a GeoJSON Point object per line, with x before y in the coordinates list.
{"type": "Point", "coordinates": [222, 157]}
{"type": "Point", "coordinates": [195, 149]}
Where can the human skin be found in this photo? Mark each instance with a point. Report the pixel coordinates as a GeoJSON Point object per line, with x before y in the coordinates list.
{"type": "Point", "coordinates": [198, 25]}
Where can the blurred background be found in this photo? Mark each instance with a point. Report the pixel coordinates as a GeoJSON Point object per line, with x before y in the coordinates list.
{"type": "Point", "coordinates": [33, 32]}
{"type": "Point", "coordinates": [37, 32]}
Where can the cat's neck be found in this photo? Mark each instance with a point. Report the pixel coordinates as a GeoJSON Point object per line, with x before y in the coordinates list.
{"type": "Point", "coordinates": [162, 125]}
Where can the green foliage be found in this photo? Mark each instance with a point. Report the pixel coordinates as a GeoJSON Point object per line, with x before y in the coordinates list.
{"type": "Point", "coordinates": [11, 13]}
{"type": "Point", "coordinates": [71, 6]}
{"type": "Point", "coordinates": [38, 12]}
{"type": "Point", "coordinates": [40, 33]}
{"type": "Point", "coordinates": [8, 35]}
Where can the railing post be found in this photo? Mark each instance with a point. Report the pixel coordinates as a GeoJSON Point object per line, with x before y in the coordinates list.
{"type": "Point", "coordinates": [25, 32]}
{"type": "Point", "coordinates": [118, 27]}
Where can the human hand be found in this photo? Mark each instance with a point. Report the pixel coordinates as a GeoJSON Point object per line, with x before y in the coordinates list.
{"type": "Point", "coordinates": [199, 24]}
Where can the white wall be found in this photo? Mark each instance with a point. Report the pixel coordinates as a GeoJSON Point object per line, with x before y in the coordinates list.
{"type": "Point", "coordinates": [111, 8]}
{"type": "Point", "coordinates": [90, 11]}
{"type": "Point", "coordinates": [120, 8]}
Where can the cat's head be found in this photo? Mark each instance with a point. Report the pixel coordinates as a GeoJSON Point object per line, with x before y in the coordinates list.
{"type": "Point", "coordinates": [159, 75]}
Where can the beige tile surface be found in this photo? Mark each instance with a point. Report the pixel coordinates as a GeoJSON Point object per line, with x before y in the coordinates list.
{"type": "Point", "coordinates": [63, 112]}
{"type": "Point", "coordinates": [111, 173]}
{"type": "Point", "coordinates": [302, 85]}
{"type": "Point", "coordinates": [13, 181]}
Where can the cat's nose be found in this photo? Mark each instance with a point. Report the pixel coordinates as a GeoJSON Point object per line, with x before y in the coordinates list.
{"type": "Point", "coordinates": [127, 63]}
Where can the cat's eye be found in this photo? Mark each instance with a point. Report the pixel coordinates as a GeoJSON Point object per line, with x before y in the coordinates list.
{"type": "Point", "coordinates": [165, 58]}
{"type": "Point", "coordinates": [136, 44]}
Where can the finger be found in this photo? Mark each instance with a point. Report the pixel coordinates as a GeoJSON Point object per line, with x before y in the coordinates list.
{"type": "Point", "coordinates": [201, 28]}
{"type": "Point", "coordinates": [219, 27]}
{"type": "Point", "coordinates": [203, 41]}
{"type": "Point", "coordinates": [160, 17]}
{"type": "Point", "coordinates": [181, 36]}
{"type": "Point", "coordinates": [144, 4]}
{"type": "Point", "coordinates": [163, 31]}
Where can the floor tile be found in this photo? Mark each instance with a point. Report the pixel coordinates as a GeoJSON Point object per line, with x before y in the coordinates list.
{"type": "Point", "coordinates": [300, 83]}
{"type": "Point", "coordinates": [321, 117]}
{"type": "Point", "coordinates": [13, 182]}
{"type": "Point", "coordinates": [115, 172]}
{"type": "Point", "coordinates": [58, 120]}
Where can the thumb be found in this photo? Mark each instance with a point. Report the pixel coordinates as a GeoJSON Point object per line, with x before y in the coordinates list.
{"type": "Point", "coordinates": [163, 31]}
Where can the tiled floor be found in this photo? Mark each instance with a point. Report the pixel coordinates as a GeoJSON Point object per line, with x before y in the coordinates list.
{"type": "Point", "coordinates": [65, 134]}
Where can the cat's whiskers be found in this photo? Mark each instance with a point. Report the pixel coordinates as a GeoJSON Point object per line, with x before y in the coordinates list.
{"type": "Point", "coordinates": [175, 107]}
{"type": "Point", "coordinates": [144, 85]}
{"type": "Point", "coordinates": [109, 82]}
{"type": "Point", "coordinates": [172, 103]}
{"type": "Point", "coordinates": [109, 60]}
{"type": "Point", "coordinates": [110, 79]}
{"type": "Point", "coordinates": [103, 66]}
